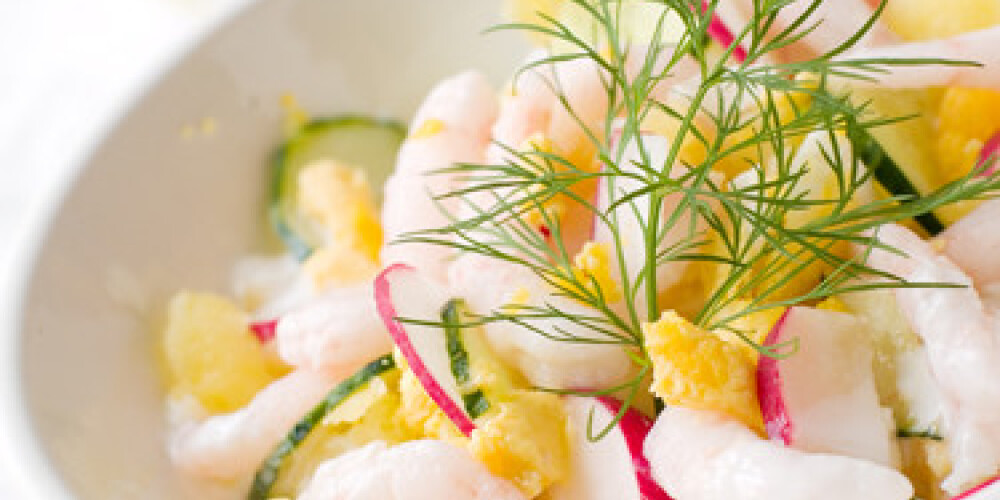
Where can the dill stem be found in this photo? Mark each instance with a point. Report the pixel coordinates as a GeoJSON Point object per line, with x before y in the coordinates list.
{"type": "Point", "coordinates": [652, 302]}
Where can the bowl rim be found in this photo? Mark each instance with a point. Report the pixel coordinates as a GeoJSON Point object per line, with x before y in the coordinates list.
{"type": "Point", "coordinates": [24, 464]}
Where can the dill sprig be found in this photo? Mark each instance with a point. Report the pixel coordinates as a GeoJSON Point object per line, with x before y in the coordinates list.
{"type": "Point", "coordinates": [753, 112]}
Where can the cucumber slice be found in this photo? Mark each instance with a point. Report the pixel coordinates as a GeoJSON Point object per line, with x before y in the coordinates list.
{"type": "Point", "coordinates": [890, 175]}
{"type": "Point", "coordinates": [360, 141]}
{"type": "Point", "coordinates": [932, 434]}
{"type": "Point", "coordinates": [475, 401]}
{"type": "Point", "coordinates": [267, 474]}
{"type": "Point", "coordinates": [900, 155]}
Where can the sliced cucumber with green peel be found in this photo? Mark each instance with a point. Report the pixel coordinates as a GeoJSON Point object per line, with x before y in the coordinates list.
{"type": "Point", "coordinates": [900, 155]}
{"type": "Point", "coordinates": [267, 474]}
{"type": "Point", "coordinates": [932, 434]}
{"type": "Point", "coordinates": [474, 400]}
{"type": "Point", "coordinates": [355, 140]}
{"type": "Point", "coordinates": [890, 175]}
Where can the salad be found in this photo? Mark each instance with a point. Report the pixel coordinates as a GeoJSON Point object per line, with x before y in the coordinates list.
{"type": "Point", "coordinates": [691, 250]}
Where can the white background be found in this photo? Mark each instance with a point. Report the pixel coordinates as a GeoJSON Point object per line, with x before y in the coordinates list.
{"type": "Point", "coordinates": [66, 67]}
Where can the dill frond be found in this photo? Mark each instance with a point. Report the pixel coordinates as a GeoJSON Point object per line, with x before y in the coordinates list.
{"type": "Point", "coordinates": [753, 113]}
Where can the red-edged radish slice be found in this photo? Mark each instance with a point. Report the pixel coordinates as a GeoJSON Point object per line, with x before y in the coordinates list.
{"type": "Point", "coordinates": [769, 397]}
{"type": "Point", "coordinates": [988, 490]}
{"type": "Point", "coordinates": [822, 397]}
{"type": "Point", "coordinates": [401, 292]}
{"type": "Point", "coordinates": [264, 330]}
{"type": "Point", "coordinates": [613, 468]}
{"type": "Point", "coordinates": [718, 31]}
{"type": "Point", "coordinates": [991, 150]}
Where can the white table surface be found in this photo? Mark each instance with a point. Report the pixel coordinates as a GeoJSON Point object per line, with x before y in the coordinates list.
{"type": "Point", "coordinates": [65, 67]}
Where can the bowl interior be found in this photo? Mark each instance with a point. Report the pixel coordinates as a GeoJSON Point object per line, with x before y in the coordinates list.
{"type": "Point", "coordinates": [174, 195]}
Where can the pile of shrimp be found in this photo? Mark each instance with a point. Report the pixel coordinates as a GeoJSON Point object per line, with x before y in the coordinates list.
{"type": "Point", "coordinates": [695, 454]}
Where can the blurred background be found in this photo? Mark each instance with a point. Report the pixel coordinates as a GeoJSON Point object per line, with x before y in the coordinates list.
{"type": "Point", "coordinates": [66, 68]}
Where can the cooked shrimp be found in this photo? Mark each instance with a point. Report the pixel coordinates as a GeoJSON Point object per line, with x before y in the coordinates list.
{"type": "Point", "coordinates": [270, 286]}
{"type": "Point", "coordinates": [534, 117]}
{"type": "Point", "coordinates": [580, 82]}
{"type": "Point", "coordinates": [415, 470]}
{"type": "Point", "coordinates": [534, 113]}
{"type": "Point", "coordinates": [523, 113]}
{"type": "Point", "coordinates": [973, 243]}
{"type": "Point", "coordinates": [489, 285]}
{"type": "Point", "coordinates": [452, 126]}
{"type": "Point", "coordinates": [231, 446]}
{"type": "Point", "coordinates": [962, 339]}
{"type": "Point", "coordinates": [335, 334]}
{"type": "Point", "coordinates": [838, 21]}
{"type": "Point", "coordinates": [978, 46]}
{"type": "Point", "coordinates": [698, 455]}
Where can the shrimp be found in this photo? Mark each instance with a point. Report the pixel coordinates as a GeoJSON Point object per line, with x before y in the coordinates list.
{"type": "Point", "coordinates": [523, 113]}
{"type": "Point", "coordinates": [489, 284]}
{"type": "Point", "coordinates": [699, 455]}
{"type": "Point", "coordinates": [580, 82]}
{"type": "Point", "coordinates": [231, 446]}
{"type": "Point", "coordinates": [335, 334]}
{"type": "Point", "coordinates": [973, 246]}
{"type": "Point", "coordinates": [534, 116]}
{"type": "Point", "coordinates": [415, 470]}
{"type": "Point", "coordinates": [962, 339]}
{"type": "Point", "coordinates": [270, 286]}
{"type": "Point", "coordinates": [978, 46]}
{"type": "Point", "coordinates": [838, 21]}
{"type": "Point", "coordinates": [451, 126]}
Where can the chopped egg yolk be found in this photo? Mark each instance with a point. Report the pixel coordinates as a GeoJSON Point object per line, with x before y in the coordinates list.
{"type": "Point", "coordinates": [696, 369]}
{"type": "Point", "coordinates": [592, 265]}
{"type": "Point", "coordinates": [212, 355]}
{"type": "Point", "coordinates": [967, 118]}
{"type": "Point", "coordinates": [521, 436]}
{"type": "Point", "coordinates": [428, 128]}
{"type": "Point", "coordinates": [339, 199]}
{"type": "Point", "coordinates": [538, 217]}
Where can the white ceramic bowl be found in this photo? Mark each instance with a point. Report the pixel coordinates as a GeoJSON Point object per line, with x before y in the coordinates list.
{"type": "Point", "coordinates": [154, 208]}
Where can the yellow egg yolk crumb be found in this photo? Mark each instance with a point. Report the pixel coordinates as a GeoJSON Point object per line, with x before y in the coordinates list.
{"type": "Point", "coordinates": [339, 200]}
{"type": "Point", "coordinates": [428, 128]}
{"type": "Point", "coordinates": [967, 118]}
{"type": "Point", "coordinates": [696, 369]}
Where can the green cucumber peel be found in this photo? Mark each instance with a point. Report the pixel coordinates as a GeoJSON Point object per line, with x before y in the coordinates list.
{"type": "Point", "coordinates": [476, 403]}
{"type": "Point", "coordinates": [932, 434]}
{"type": "Point", "coordinates": [357, 140]}
{"type": "Point", "coordinates": [474, 400]}
{"type": "Point", "coordinates": [889, 174]}
{"type": "Point", "coordinates": [267, 474]}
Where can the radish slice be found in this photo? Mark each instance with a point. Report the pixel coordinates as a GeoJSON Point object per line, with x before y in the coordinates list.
{"type": "Point", "coordinates": [988, 490]}
{"type": "Point", "coordinates": [990, 149]}
{"type": "Point", "coordinates": [613, 468]}
{"type": "Point", "coordinates": [772, 404]}
{"type": "Point", "coordinates": [400, 292]}
{"type": "Point", "coordinates": [718, 31]}
{"type": "Point", "coordinates": [822, 398]}
{"type": "Point", "coordinates": [264, 330]}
